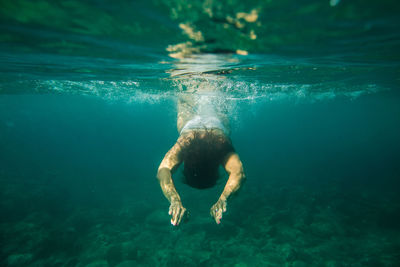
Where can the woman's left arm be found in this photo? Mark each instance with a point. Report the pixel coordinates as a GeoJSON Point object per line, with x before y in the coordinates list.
{"type": "Point", "coordinates": [234, 168]}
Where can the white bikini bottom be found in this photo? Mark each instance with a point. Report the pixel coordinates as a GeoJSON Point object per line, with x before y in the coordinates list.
{"type": "Point", "coordinates": [208, 122]}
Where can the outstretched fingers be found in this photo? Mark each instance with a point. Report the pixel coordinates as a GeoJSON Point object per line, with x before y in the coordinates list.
{"type": "Point", "coordinates": [177, 211]}
{"type": "Point", "coordinates": [218, 216]}
{"type": "Point", "coordinates": [217, 210]}
{"type": "Point", "coordinates": [181, 214]}
{"type": "Point", "coordinates": [175, 215]}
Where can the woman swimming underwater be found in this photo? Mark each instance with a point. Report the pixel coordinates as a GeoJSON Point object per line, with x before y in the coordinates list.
{"type": "Point", "coordinates": [203, 145]}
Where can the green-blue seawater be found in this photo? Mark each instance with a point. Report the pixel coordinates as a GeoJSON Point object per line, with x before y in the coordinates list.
{"type": "Point", "coordinates": [88, 109]}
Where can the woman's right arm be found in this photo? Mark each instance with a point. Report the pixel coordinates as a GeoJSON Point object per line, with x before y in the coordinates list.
{"type": "Point", "coordinates": [164, 175]}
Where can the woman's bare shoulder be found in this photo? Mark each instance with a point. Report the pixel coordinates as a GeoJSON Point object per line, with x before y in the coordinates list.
{"type": "Point", "coordinates": [173, 157]}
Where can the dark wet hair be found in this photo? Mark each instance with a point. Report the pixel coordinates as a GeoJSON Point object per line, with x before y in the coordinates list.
{"type": "Point", "coordinates": [202, 156]}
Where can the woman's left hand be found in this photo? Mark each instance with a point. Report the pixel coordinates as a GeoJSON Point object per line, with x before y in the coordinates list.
{"type": "Point", "coordinates": [217, 209]}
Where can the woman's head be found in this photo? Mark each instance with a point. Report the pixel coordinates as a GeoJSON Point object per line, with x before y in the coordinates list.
{"type": "Point", "coordinates": [202, 155]}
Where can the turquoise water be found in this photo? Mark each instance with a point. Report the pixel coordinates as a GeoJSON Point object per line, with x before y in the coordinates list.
{"type": "Point", "coordinates": [88, 95]}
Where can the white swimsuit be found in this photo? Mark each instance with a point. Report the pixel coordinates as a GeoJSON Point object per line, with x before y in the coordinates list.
{"type": "Point", "coordinates": [205, 122]}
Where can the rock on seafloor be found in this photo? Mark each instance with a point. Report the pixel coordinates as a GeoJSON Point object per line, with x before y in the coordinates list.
{"type": "Point", "coordinates": [19, 259]}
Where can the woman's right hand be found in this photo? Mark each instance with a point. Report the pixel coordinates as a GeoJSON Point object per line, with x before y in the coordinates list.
{"type": "Point", "coordinates": [177, 212]}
